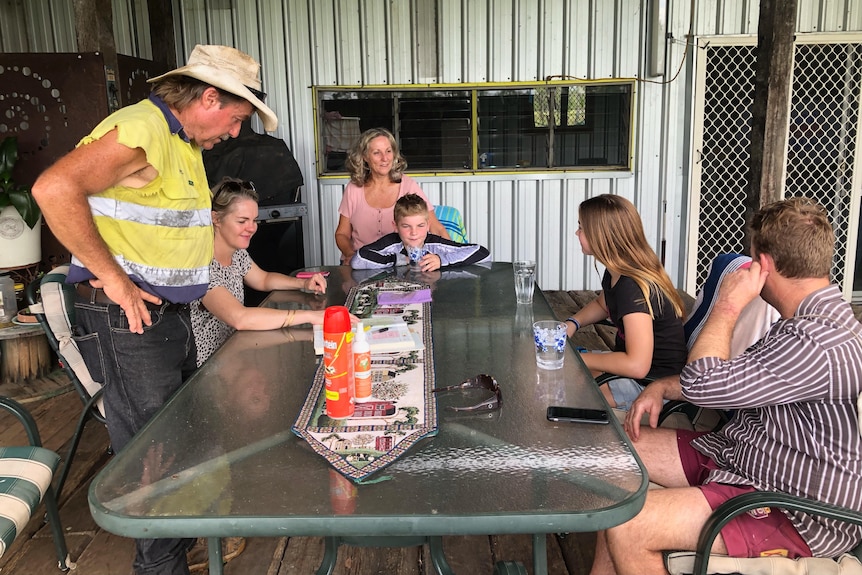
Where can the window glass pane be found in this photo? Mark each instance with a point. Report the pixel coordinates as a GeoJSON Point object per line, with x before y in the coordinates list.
{"type": "Point", "coordinates": [508, 135]}
{"type": "Point", "coordinates": [598, 126]}
{"type": "Point", "coordinates": [434, 129]}
{"type": "Point", "coordinates": [576, 105]}
{"type": "Point", "coordinates": [345, 115]}
{"type": "Point", "coordinates": [549, 126]}
{"type": "Point", "coordinates": [545, 100]}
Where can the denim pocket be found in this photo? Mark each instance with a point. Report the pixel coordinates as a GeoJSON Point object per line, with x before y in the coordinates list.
{"type": "Point", "coordinates": [91, 351]}
{"type": "Point", "coordinates": [119, 323]}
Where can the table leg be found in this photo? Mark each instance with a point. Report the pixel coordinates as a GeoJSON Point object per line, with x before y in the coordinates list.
{"type": "Point", "coordinates": [438, 558]}
{"type": "Point", "coordinates": [435, 547]}
{"type": "Point", "coordinates": [540, 554]}
{"type": "Point", "coordinates": [330, 556]}
{"type": "Point", "coordinates": [216, 566]}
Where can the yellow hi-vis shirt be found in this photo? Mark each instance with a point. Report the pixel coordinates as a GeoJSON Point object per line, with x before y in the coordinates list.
{"type": "Point", "coordinates": [160, 234]}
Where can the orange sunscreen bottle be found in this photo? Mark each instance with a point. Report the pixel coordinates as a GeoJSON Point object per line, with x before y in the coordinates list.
{"type": "Point", "coordinates": [362, 364]}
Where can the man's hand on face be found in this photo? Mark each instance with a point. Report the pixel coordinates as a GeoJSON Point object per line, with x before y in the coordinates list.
{"type": "Point", "coordinates": [740, 287]}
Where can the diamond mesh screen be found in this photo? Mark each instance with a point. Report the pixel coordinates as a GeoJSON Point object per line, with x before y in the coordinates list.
{"type": "Point", "coordinates": [724, 163]}
{"type": "Point", "coordinates": [821, 142]}
{"type": "Point", "coordinates": [822, 137]}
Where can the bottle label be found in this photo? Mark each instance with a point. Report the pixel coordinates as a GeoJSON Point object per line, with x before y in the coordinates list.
{"type": "Point", "coordinates": [338, 374]}
{"type": "Point", "coordinates": [362, 374]}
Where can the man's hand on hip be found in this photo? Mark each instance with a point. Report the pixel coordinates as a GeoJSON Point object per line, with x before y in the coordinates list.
{"type": "Point", "coordinates": [133, 301]}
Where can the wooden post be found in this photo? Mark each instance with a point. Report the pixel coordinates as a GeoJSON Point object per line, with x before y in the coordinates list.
{"type": "Point", "coordinates": [770, 111]}
{"type": "Point", "coordinates": [94, 25]}
{"type": "Point", "coordinates": [162, 32]}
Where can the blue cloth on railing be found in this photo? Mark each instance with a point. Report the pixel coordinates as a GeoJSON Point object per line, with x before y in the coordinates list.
{"type": "Point", "coordinates": [453, 222]}
{"type": "Point", "coordinates": [722, 265]}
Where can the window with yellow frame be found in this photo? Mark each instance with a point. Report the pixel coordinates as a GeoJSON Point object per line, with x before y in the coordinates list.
{"type": "Point", "coordinates": [483, 127]}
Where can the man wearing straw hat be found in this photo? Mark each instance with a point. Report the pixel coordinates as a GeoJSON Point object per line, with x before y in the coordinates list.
{"type": "Point", "coordinates": [132, 205]}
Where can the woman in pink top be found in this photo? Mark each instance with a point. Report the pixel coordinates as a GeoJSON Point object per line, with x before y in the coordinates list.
{"type": "Point", "coordinates": [377, 180]}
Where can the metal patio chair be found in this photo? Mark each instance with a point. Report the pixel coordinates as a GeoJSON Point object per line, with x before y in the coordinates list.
{"type": "Point", "coordinates": [26, 473]}
{"type": "Point", "coordinates": [55, 311]}
{"type": "Point", "coordinates": [700, 562]}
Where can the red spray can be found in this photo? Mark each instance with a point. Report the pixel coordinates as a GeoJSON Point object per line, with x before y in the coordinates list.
{"type": "Point", "coordinates": [338, 362]}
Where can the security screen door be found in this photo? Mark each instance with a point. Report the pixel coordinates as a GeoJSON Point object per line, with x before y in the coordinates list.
{"type": "Point", "coordinates": [822, 147]}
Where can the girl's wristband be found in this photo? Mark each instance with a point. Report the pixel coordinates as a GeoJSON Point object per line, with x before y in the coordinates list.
{"type": "Point", "coordinates": [574, 321]}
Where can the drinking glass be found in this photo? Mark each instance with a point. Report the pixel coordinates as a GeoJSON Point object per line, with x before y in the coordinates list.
{"type": "Point", "coordinates": [415, 253]}
{"type": "Point", "coordinates": [525, 280]}
{"type": "Point", "coordinates": [550, 337]}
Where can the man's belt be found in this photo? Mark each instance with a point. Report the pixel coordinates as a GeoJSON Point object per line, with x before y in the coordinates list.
{"type": "Point", "coordinates": [97, 295]}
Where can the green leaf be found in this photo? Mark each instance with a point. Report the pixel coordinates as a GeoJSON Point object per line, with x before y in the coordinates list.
{"type": "Point", "coordinates": [26, 205]}
{"type": "Point", "coordinates": [8, 156]}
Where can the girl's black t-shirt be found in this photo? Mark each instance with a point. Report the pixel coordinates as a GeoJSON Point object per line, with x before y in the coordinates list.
{"type": "Point", "coordinates": [669, 350]}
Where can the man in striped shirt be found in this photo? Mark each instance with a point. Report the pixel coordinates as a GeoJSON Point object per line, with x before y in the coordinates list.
{"type": "Point", "coordinates": [795, 428]}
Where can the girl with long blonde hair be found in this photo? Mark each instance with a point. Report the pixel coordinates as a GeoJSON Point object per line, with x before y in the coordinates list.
{"type": "Point", "coordinates": [637, 297]}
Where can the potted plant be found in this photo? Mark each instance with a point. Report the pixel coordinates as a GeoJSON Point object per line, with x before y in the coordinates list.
{"type": "Point", "coordinates": [20, 232]}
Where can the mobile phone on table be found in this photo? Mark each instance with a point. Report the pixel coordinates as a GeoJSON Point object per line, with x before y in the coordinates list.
{"type": "Point", "coordinates": [577, 414]}
{"type": "Point", "coordinates": [306, 275]}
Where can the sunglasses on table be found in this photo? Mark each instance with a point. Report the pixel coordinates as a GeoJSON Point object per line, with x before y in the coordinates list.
{"type": "Point", "coordinates": [481, 381]}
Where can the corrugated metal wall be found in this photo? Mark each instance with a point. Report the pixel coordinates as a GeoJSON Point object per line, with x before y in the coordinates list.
{"type": "Point", "coordinates": [49, 26]}
{"type": "Point", "coordinates": [342, 42]}
{"type": "Point", "coordinates": [359, 42]}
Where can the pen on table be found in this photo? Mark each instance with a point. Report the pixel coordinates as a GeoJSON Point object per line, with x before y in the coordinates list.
{"type": "Point", "coordinates": [380, 329]}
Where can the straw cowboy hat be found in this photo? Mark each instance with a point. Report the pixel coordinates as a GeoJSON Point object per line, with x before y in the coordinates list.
{"type": "Point", "coordinates": [230, 70]}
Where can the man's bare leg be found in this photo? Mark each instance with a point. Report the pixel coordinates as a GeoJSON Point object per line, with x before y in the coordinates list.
{"type": "Point", "coordinates": [602, 563]}
{"type": "Point", "coordinates": [658, 450]}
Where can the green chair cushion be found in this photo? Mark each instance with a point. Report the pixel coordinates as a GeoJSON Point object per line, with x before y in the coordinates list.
{"type": "Point", "coordinates": [25, 474]}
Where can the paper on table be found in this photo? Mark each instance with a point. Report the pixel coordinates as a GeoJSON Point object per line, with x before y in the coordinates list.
{"type": "Point", "coordinates": [403, 298]}
{"type": "Point", "coordinates": [384, 336]}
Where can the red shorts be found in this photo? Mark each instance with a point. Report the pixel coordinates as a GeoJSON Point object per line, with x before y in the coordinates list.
{"type": "Point", "coordinates": [760, 532]}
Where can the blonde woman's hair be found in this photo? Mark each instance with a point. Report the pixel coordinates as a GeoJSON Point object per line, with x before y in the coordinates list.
{"type": "Point", "coordinates": [616, 237]}
{"type": "Point", "coordinates": [228, 192]}
{"type": "Point", "coordinates": [356, 165]}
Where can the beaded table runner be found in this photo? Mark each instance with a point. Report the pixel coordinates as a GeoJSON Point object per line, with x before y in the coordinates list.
{"type": "Point", "coordinates": [402, 409]}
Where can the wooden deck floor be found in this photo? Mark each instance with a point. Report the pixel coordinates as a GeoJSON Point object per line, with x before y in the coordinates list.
{"type": "Point", "coordinates": [97, 552]}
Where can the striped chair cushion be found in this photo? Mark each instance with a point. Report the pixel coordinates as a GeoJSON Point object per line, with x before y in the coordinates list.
{"type": "Point", "coordinates": [682, 563]}
{"type": "Point", "coordinates": [25, 474]}
{"type": "Point", "coordinates": [58, 305]}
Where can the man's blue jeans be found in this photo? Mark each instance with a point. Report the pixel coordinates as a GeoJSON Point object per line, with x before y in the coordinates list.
{"type": "Point", "coordinates": [139, 373]}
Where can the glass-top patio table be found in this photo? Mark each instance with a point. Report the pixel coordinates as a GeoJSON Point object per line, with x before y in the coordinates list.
{"type": "Point", "coordinates": [220, 458]}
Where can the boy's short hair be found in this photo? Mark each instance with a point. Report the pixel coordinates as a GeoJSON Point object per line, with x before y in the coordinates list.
{"type": "Point", "coordinates": [410, 205]}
